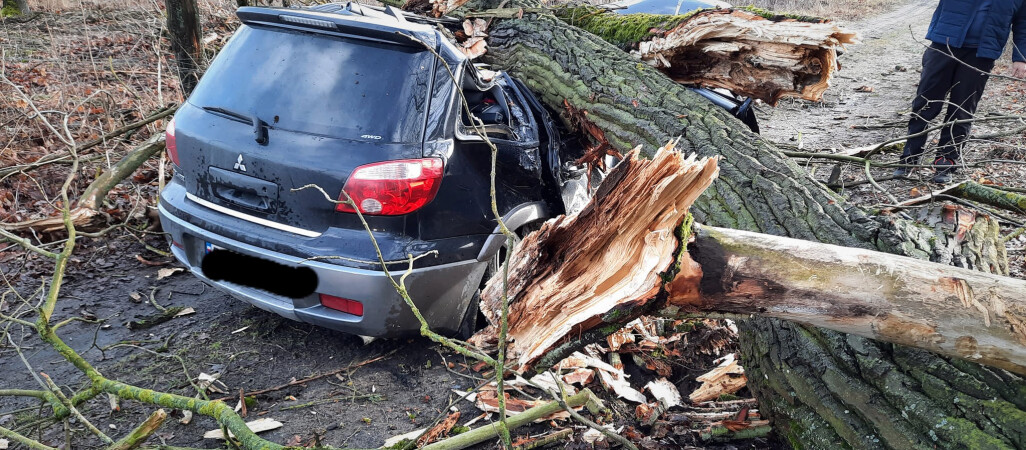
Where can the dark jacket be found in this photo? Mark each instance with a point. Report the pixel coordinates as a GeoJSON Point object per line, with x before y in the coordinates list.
{"type": "Point", "coordinates": [953, 19]}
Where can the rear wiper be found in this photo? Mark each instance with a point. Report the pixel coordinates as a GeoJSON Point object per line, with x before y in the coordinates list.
{"type": "Point", "coordinates": [259, 126]}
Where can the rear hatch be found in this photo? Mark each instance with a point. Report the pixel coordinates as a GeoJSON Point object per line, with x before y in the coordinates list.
{"type": "Point", "coordinates": [279, 109]}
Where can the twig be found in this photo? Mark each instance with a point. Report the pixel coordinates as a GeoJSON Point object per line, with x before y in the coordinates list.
{"type": "Point", "coordinates": [546, 440]}
{"type": "Point", "coordinates": [315, 377]}
{"type": "Point", "coordinates": [35, 445]}
{"type": "Point", "coordinates": [55, 157]}
{"type": "Point", "coordinates": [26, 244]}
{"type": "Point", "coordinates": [486, 432]}
{"type": "Point", "coordinates": [869, 176]}
{"type": "Point", "coordinates": [74, 411]}
{"type": "Point", "coordinates": [141, 433]}
{"type": "Point", "coordinates": [563, 401]}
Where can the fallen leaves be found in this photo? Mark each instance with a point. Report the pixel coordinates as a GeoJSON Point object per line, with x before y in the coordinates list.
{"type": "Point", "coordinates": [167, 272]}
{"type": "Point", "coordinates": [437, 431]}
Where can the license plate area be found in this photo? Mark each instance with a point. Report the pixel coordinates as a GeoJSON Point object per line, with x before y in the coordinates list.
{"type": "Point", "coordinates": [220, 264]}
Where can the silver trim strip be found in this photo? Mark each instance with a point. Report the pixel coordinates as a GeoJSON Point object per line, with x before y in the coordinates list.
{"type": "Point", "coordinates": [249, 218]}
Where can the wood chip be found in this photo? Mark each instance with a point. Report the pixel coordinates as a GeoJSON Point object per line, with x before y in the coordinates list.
{"type": "Point", "coordinates": [665, 391]}
{"type": "Point", "coordinates": [256, 426]}
{"type": "Point", "coordinates": [186, 311]}
{"type": "Point", "coordinates": [488, 401]}
{"type": "Point", "coordinates": [579, 377]}
{"type": "Point", "coordinates": [168, 271]}
{"type": "Point", "coordinates": [437, 431]}
{"type": "Point", "coordinates": [727, 378]}
{"type": "Point", "coordinates": [617, 382]}
{"type": "Point", "coordinates": [390, 442]}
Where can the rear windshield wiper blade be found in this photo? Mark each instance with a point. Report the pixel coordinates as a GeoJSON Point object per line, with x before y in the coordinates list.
{"type": "Point", "coordinates": [259, 126]}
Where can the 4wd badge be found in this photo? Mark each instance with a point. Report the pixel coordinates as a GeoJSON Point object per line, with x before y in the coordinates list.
{"type": "Point", "coordinates": [239, 165]}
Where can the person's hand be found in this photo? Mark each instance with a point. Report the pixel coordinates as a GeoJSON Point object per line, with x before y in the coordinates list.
{"type": "Point", "coordinates": [1019, 69]}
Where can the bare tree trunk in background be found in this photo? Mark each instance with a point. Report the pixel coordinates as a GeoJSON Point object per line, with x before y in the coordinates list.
{"type": "Point", "coordinates": [242, 3]}
{"type": "Point", "coordinates": [183, 24]}
{"type": "Point", "coordinates": [15, 8]}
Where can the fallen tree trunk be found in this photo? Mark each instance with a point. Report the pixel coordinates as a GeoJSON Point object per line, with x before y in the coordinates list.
{"type": "Point", "coordinates": [948, 310]}
{"type": "Point", "coordinates": [618, 257]}
{"type": "Point", "coordinates": [821, 388]}
{"type": "Point", "coordinates": [750, 52]}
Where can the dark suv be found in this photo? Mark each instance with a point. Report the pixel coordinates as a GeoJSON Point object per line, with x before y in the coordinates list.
{"type": "Point", "coordinates": [352, 97]}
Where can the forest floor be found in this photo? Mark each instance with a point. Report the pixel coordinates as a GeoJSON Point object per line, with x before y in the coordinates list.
{"type": "Point", "coordinates": [105, 68]}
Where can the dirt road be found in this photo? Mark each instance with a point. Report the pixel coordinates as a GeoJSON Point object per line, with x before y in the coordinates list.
{"type": "Point", "coordinates": [887, 61]}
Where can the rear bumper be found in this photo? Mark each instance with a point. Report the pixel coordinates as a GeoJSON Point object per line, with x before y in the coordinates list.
{"type": "Point", "coordinates": [441, 292]}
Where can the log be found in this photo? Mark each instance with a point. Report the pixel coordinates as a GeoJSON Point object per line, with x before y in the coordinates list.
{"type": "Point", "coordinates": [748, 51]}
{"type": "Point", "coordinates": [821, 388]}
{"type": "Point", "coordinates": [948, 310]}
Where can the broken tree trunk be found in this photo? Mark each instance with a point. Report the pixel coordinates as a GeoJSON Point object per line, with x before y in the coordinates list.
{"type": "Point", "coordinates": [619, 256]}
{"type": "Point", "coordinates": [821, 388]}
{"type": "Point", "coordinates": [750, 52]}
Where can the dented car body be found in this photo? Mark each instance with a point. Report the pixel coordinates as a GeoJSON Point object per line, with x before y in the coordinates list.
{"type": "Point", "coordinates": [303, 103]}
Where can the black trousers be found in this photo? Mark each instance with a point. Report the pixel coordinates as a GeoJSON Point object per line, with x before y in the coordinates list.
{"type": "Point", "coordinates": [958, 75]}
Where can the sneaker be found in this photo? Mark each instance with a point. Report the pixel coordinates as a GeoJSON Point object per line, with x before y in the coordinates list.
{"type": "Point", "coordinates": [944, 167]}
{"type": "Point", "coordinates": [902, 172]}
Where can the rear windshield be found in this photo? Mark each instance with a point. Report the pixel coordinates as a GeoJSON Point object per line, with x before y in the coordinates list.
{"type": "Point", "coordinates": [347, 88]}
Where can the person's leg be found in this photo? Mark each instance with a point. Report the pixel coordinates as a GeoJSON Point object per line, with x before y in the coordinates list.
{"type": "Point", "coordinates": [969, 81]}
{"type": "Point", "coordinates": [934, 82]}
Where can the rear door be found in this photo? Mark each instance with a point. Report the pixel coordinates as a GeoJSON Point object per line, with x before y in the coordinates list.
{"type": "Point", "coordinates": [281, 109]}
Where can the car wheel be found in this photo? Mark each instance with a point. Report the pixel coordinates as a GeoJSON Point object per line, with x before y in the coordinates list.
{"type": "Point", "coordinates": [473, 320]}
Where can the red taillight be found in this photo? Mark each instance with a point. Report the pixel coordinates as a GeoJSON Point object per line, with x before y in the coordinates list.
{"type": "Point", "coordinates": [169, 142]}
{"type": "Point", "coordinates": [393, 187]}
{"type": "Point", "coordinates": [342, 304]}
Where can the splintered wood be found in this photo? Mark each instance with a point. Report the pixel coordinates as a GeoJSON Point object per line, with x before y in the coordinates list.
{"type": "Point", "coordinates": [749, 54]}
{"type": "Point", "coordinates": [602, 261]}
{"type": "Point", "coordinates": [727, 378]}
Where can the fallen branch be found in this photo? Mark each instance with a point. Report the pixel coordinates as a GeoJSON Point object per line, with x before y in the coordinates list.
{"type": "Point", "coordinates": [55, 157]}
{"type": "Point", "coordinates": [491, 431]}
{"type": "Point", "coordinates": [94, 194]}
{"type": "Point", "coordinates": [91, 199]}
{"type": "Point", "coordinates": [976, 192]}
{"type": "Point", "coordinates": [141, 433]}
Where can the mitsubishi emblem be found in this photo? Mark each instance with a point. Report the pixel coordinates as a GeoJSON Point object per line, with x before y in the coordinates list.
{"type": "Point", "coordinates": [239, 165]}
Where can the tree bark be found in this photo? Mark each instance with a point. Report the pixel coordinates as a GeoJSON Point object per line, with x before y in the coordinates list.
{"type": "Point", "coordinates": [183, 24]}
{"type": "Point", "coordinates": [13, 8]}
{"type": "Point", "coordinates": [820, 387]}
